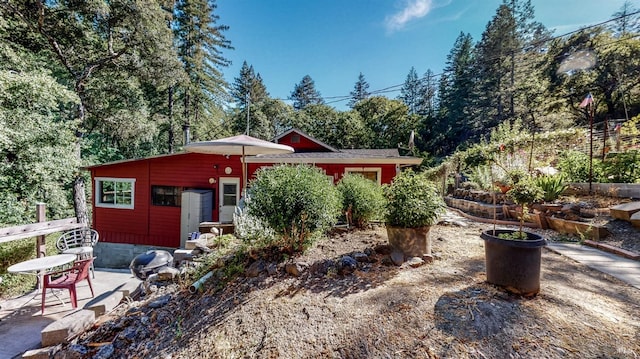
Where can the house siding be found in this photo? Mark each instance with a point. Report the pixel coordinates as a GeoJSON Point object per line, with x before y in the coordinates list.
{"type": "Point", "coordinates": [146, 224]}
{"type": "Point", "coordinates": [304, 145]}
{"type": "Point", "coordinates": [149, 225]}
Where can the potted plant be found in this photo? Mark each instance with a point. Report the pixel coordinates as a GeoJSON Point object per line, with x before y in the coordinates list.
{"type": "Point", "coordinates": [413, 206]}
{"type": "Point", "coordinates": [513, 257]}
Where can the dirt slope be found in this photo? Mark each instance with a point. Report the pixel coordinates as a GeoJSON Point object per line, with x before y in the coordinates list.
{"type": "Point", "coordinates": [442, 309]}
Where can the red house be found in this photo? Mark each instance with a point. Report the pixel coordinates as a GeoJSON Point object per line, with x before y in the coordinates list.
{"type": "Point", "coordinates": [156, 201]}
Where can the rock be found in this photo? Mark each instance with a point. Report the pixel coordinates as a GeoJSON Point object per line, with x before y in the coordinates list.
{"type": "Point", "coordinates": [383, 249]}
{"type": "Point", "coordinates": [255, 269]}
{"type": "Point", "coordinates": [105, 352]}
{"type": "Point", "coordinates": [168, 274]}
{"type": "Point", "coordinates": [414, 262]}
{"type": "Point", "coordinates": [272, 269]}
{"type": "Point", "coordinates": [160, 302]}
{"type": "Point", "coordinates": [295, 268]}
{"type": "Point", "coordinates": [369, 251]}
{"type": "Point", "coordinates": [129, 333]}
{"type": "Point", "coordinates": [360, 257]}
{"type": "Point", "coordinates": [347, 265]}
{"type": "Point", "coordinates": [74, 351]}
{"type": "Point", "coordinates": [324, 266]}
{"type": "Point", "coordinates": [397, 258]}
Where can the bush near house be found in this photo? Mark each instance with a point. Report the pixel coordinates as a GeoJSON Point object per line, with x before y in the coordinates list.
{"type": "Point", "coordinates": [362, 199]}
{"type": "Point", "coordinates": [297, 202]}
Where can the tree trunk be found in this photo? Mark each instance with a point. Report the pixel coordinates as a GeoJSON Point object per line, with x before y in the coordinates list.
{"type": "Point", "coordinates": [80, 200]}
{"type": "Point", "coordinates": [79, 193]}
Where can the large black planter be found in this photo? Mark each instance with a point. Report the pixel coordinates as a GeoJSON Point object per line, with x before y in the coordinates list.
{"type": "Point", "coordinates": [513, 264]}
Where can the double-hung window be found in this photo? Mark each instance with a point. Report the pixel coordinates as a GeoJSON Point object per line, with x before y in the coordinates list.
{"type": "Point", "coordinates": [115, 192]}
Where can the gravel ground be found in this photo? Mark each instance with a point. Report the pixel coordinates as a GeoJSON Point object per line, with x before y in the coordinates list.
{"type": "Point", "coordinates": [442, 309]}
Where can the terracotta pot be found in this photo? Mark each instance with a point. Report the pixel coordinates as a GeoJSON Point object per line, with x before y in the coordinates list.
{"type": "Point", "coordinates": [513, 264]}
{"type": "Point", "coordinates": [413, 242]}
{"type": "Point", "coordinates": [504, 188]}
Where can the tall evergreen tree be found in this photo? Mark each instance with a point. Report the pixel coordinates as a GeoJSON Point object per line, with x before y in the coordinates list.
{"type": "Point", "coordinates": [506, 58]}
{"type": "Point", "coordinates": [628, 19]}
{"type": "Point", "coordinates": [410, 91]}
{"type": "Point", "coordinates": [305, 93]}
{"type": "Point", "coordinates": [360, 91]}
{"type": "Point", "coordinates": [248, 83]}
{"type": "Point", "coordinates": [427, 97]}
{"type": "Point", "coordinates": [200, 42]}
{"type": "Point", "coordinates": [452, 125]}
{"type": "Point", "coordinates": [494, 65]}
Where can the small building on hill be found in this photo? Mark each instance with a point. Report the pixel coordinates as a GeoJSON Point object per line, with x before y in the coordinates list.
{"type": "Point", "coordinates": [157, 201]}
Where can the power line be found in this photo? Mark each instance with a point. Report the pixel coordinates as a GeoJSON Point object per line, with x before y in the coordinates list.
{"type": "Point", "coordinates": [395, 88]}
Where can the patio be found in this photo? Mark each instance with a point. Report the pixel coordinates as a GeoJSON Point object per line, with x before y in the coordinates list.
{"type": "Point", "coordinates": [21, 322]}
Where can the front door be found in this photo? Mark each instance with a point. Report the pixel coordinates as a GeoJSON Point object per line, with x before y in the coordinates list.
{"type": "Point", "coordinates": [229, 196]}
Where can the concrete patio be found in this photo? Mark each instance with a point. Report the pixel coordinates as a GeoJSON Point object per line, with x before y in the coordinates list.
{"type": "Point", "coordinates": [21, 321]}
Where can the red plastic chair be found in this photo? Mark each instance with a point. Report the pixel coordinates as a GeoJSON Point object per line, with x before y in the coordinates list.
{"type": "Point", "coordinates": [67, 279]}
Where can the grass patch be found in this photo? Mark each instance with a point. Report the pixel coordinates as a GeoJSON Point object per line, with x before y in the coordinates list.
{"type": "Point", "coordinates": [19, 251]}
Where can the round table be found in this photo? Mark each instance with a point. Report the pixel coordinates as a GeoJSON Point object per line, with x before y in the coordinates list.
{"type": "Point", "coordinates": [42, 263]}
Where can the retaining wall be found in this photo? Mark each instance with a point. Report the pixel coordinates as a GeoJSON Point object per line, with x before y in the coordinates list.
{"type": "Point", "coordinates": [620, 190]}
{"type": "Point", "coordinates": [119, 255]}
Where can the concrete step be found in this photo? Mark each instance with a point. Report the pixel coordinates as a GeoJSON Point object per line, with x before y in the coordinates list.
{"type": "Point", "coordinates": [67, 327]}
{"type": "Point", "coordinates": [635, 219]}
{"type": "Point", "coordinates": [105, 303]}
{"type": "Point", "coordinates": [625, 210]}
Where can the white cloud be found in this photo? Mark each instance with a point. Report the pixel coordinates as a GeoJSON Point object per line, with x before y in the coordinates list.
{"type": "Point", "coordinates": [414, 9]}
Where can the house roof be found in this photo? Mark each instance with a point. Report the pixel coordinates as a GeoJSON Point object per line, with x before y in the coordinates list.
{"type": "Point", "coordinates": [343, 156]}
{"type": "Point", "coordinates": [303, 134]}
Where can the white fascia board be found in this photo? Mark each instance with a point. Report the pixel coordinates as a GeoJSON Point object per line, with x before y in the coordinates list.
{"type": "Point", "coordinates": [377, 161]}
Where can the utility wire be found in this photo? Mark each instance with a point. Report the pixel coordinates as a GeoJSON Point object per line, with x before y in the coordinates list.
{"type": "Point", "coordinates": [396, 88]}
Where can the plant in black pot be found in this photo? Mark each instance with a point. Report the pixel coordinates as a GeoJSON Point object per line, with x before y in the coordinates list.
{"type": "Point", "coordinates": [413, 206]}
{"type": "Point", "coordinates": [513, 257]}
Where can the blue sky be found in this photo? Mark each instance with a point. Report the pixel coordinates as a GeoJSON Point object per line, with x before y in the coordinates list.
{"type": "Point", "coordinates": [334, 40]}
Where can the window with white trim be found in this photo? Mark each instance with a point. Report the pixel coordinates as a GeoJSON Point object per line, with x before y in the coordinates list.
{"type": "Point", "coordinates": [115, 192]}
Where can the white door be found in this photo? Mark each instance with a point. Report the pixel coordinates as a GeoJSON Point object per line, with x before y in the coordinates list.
{"type": "Point", "coordinates": [229, 196]}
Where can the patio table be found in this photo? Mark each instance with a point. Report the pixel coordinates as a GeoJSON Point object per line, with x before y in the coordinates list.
{"type": "Point", "coordinates": [36, 265]}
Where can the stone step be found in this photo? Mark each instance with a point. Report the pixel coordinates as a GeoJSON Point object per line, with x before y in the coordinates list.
{"type": "Point", "coordinates": [67, 327]}
{"type": "Point", "coordinates": [40, 353]}
{"type": "Point", "coordinates": [635, 219]}
{"type": "Point", "coordinates": [625, 210]}
{"type": "Point", "coordinates": [105, 304]}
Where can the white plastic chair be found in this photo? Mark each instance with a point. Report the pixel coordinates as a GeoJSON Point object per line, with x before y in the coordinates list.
{"type": "Point", "coordinates": [79, 242]}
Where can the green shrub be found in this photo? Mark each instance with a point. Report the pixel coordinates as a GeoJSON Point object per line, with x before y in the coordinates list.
{"type": "Point", "coordinates": [481, 176]}
{"type": "Point", "coordinates": [12, 253]}
{"type": "Point", "coordinates": [622, 168]}
{"type": "Point", "coordinates": [296, 201]}
{"type": "Point", "coordinates": [575, 166]}
{"type": "Point", "coordinates": [525, 191]}
{"type": "Point", "coordinates": [413, 201]}
{"type": "Point", "coordinates": [251, 228]}
{"type": "Point", "coordinates": [363, 198]}
{"type": "Point", "coordinates": [553, 186]}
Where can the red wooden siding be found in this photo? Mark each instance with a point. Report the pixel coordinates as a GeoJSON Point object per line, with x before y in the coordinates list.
{"type": "Point", "coordinates": [338, 170]}
{"type": "Point", "coordinates": [304, 145]}
{"type": "Point", "coordinates": [158, 225]}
